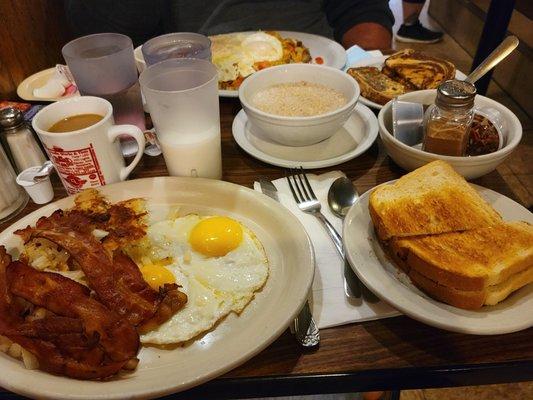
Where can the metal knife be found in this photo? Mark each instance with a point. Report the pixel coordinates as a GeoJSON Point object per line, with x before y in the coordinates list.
{"type": "Point", "coordinates": [305, 329]}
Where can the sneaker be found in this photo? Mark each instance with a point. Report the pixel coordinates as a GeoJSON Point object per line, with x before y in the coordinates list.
{"type": "Point", "coordinates": [416, 33]}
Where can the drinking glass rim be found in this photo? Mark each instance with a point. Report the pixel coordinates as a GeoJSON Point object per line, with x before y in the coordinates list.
{"type": "Point", "coordinates": [145, 85]}
{"type": "Point", "coordinates": [199, 35]}
{"type": "Point", "coordinates": [66, 47]}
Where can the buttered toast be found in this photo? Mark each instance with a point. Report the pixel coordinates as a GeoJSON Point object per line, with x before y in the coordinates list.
{"type": "Point", "coordinates": [430, 200]}
{"type": "Point", "coordinates": [472, 268]}
{"type": "Point", "coordinates": [376, 86]}
{"type": "Point", "coordinates": [450, 242]}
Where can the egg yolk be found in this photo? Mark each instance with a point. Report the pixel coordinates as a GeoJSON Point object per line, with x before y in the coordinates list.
{"type": "Point", "coordinates": [216, 236]}
{"type": "Point", "coordinates": [157, 275]}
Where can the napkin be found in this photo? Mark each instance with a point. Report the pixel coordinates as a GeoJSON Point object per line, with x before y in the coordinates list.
{"type": "Point", "coordinates": [328, 302]}
{"type": "Point", "coordinates": [355, 54]}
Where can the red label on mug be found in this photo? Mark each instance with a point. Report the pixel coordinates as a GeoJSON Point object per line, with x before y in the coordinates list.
{"type": "Point", "coordinates": [78, 169]}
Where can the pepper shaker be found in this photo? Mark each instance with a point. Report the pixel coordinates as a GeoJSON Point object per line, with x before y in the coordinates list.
{"type": "Point", "coordinates": [18, 140]}
{"type": "Point", "coordinates": [448, 121]}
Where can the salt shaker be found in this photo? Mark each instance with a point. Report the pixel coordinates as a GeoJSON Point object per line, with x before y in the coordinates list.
{"type": "Point", "coordinates": [448, 121]}
{"type": "Point", "coordinates": [18, 140]}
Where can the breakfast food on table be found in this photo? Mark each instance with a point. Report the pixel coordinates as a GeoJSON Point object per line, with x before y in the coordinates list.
{"type": "Point", "coordinates": [95, 281]}
{"type": "Point", "coordinates": [450, 242]}
{"type": "Point", "coordinates": [218, 262]}
{"type": "Point", "coordinates": [376, 86]}
{"type": "Point", "coordinates": [429, 200]}
{"type": "Point", "coordinates": [402, 72]}
{"type": "Point", "coordinates": [237, 55]}
{"type": "Point", "coordinates": [418, 71]}
{"type": "Point", "coordinates": [472, 268]}
{"type": "Point", "coordinates": [483, 137]}
{"type": "Point", "coordinates": [298, 99]}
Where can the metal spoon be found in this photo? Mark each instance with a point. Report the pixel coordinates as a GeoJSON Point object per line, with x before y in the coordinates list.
{"type": "Point", "coordinates": [505, 48]}
{"type": "Point", "coordinates": [341, 196]}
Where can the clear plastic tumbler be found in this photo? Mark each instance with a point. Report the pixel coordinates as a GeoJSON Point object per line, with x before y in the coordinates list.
{"type": "Point", "coordinates": [177, 45]}
{"type": "Point", "coordinates": [103, 65]}
{"type": "Point", "coordinates": [182, 95]}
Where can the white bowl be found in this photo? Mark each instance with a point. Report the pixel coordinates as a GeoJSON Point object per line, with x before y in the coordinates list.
{"type": "Point", "coordinates": [410, 158]}
{"type": "Point", "coordinates": [139, 59]}
{"type": "Point", "coordinates": [299, 131]}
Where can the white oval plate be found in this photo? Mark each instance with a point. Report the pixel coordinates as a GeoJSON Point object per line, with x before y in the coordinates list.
{"type": "Point", "coordinates": [235, 339]}
{"type": "Point", "coordinates": [378, 274]}
{"type": "Point", "coordinates": [37, 80]}
{"type": "Point", "coordinates": [378, 62]}
{"type": "Point", "coordinates": [352, 140]}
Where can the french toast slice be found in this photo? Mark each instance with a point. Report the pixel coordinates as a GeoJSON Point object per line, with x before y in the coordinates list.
{"type": "Point", "coordinates": [472, 268]}
{"type": "Point", "coordinates": [376, 86]}
{"type": "Point", "coordinates": [417, 70]}
{"type": "Point", "coordinates": [432, 199]}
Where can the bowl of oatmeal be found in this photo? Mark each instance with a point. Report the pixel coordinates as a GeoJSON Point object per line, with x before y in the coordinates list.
{"type": "Point", "coordinates": [298, 104]}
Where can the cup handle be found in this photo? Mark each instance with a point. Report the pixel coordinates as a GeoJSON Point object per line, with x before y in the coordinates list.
{"type": "Point", "coordinates": [115, 131]}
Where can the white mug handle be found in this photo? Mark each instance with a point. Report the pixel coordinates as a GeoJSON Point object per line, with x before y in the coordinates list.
{"type": "Point", "coordinates": [133, 131]}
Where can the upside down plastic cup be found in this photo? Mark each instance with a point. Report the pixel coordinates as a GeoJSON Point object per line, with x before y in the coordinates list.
{"type": "Point", "coordinates": [176, 45]}
{"type": "Point", "coordinates": [182, 95]}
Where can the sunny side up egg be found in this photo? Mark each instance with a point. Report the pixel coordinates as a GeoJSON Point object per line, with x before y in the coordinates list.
{"type": "Point", "coordinates": [235, 54]}
{"type": "Point", "coordinates": [219, 263]}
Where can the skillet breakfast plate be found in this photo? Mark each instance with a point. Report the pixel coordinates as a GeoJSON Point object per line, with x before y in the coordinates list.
{"type": "Point", "coordinates": [233, 340]}
{"type": "Point", "coordinates": [378, 62]}
{"type": "Point", "coordinates": [331, 52]}
{"type": "Point", "coordinates": [378, 274]}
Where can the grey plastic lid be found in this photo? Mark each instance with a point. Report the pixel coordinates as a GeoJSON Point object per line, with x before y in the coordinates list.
{"type": "Point", "coordinates": [455, 94]}
{"type": "Point", "coordinates": [10, 118]}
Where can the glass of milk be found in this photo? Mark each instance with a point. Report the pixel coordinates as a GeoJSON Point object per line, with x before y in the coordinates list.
{"type": "Point", "coordinates": [182, 96]}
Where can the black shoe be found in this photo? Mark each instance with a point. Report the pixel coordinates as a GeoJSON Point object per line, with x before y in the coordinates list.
{"type": "Point", "coordinates": [416, 33]}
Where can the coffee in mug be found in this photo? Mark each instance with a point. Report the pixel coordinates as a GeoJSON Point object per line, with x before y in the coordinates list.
{"type": "Point", "coordinates": [82, 142]}
{"type": "Point", "coordinates": [75, 123]}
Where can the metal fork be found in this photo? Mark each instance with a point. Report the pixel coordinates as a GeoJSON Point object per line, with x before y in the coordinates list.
{"type": "Point", "coordinates": [307, 202]}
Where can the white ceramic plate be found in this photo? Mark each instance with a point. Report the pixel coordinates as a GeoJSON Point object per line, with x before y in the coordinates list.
{"type": "Point", "coordinates": [379, 275]}
{"type": "Point", "coordinates": [331, 52]}
{"type": "Point", "coordinates": [25, 89]}
{"type": "Point", "coordinates": [378, 63]}
{"type": "Point", "coordinates": [356, 136]}
{"type": "Point", "coordinates": [235, 339]}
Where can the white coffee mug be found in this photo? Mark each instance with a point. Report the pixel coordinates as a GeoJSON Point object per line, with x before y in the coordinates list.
{"type": "Point", "coordinates": [91, 156]}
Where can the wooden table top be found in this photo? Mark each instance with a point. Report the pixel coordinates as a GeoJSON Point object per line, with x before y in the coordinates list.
{"type": "Point", "coordinates": [390, 353]}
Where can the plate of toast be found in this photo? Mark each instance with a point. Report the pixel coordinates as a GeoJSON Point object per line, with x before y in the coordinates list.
{"type": "Point", "coordinates": [445, 252]}
{"type": "Point", "coordinates": [383, 78]}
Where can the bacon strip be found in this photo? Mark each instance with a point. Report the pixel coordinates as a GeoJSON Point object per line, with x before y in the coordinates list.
{"type": "Point", "coordinates": [115, 278]}
{"type": "Point", "coordinates": [63, 345]}
{"type": "Point", "coordinates": [68, 298]}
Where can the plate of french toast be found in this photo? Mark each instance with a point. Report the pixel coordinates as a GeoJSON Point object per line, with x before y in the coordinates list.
{"type": "Point", "coordinates": [383, 78]}
{"type": "Point", "coordinates": [445, 252]}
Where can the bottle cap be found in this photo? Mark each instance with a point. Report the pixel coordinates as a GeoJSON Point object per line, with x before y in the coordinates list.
{"type": "Point", "coordinates": [454, 94]}
{"type": "Point", "coordinates": [10, 118]}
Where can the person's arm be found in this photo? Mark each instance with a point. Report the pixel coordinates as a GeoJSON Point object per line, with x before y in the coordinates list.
{"type": "Point", "coordinates": [367, 23]}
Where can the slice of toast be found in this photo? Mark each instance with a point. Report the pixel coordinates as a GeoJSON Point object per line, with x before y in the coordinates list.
{"type": "Point", "coordinates": [417, 70]}
{"type": "Point", "coordinates": [432, 199]}
{"type": "Point", "coordinates": [472, 268]}
{"type": "Point", "coordinates": [376, 86]}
